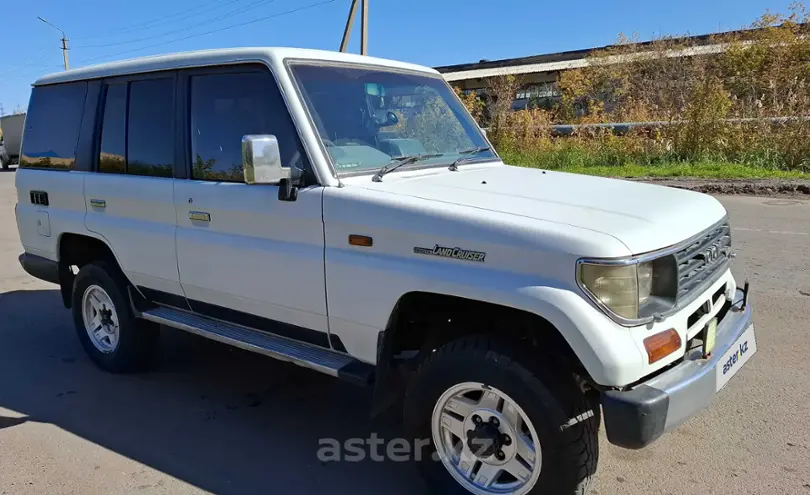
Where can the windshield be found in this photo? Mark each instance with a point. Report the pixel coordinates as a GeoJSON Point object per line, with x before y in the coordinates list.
{"type": "Point", "coordinates": [367, 116]}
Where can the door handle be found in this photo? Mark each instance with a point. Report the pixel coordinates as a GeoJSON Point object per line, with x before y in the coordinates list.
{"type": "Point", "coordinates": [199, 216]}
{"type": "Point", "coordinates": [98, 203]}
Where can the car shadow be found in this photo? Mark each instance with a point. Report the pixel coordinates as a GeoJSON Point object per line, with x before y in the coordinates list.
{"type": "Point", "coordinates": [221, 419]}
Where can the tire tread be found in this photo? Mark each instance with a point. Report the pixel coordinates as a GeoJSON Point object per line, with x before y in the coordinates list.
{"type": "Point", "coordinates": [138, 338]}
{"type": "Point", "coordinates": [583, 413]}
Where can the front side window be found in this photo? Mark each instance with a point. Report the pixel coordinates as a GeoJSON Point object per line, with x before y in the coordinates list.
{"type": "Point", "coordinates": [52, 126]}
{"type": "Point", "coordinates": [227, 106]}
{"type": "Point", "coordinates": [367, 116]}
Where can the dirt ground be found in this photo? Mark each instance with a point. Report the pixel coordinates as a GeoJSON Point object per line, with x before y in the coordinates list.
{"type": "Point", "coordinates": [748, 187]}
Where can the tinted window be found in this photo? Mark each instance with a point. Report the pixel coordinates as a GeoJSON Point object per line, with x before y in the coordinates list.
{"type": "Point", "coordinates": [113, 131]}
{"type": "Point", "coordinates": [150, 135]}
{"type": "Point", "coordinates": [138, 138]}
{"type": "Point", "coordinates": [52, 126]}
{"type": "Point", "coordinates": [225, 107]}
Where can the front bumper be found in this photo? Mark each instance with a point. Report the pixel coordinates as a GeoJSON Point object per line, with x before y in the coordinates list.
{"type": "Point", "coordinates": [635, 418]}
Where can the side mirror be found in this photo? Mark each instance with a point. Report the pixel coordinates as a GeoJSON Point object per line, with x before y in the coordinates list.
{"type": "Point", "coordinates": [261, 161]}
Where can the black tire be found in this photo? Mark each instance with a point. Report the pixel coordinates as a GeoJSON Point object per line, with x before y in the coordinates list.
{"type": "Point", "coordinates": [566, 420]}
{"type": "Point", "coordinates": [137, 338]}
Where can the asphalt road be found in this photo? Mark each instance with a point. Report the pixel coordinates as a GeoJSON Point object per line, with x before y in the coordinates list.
{"type": "Point", "coordinates": [210, 418]}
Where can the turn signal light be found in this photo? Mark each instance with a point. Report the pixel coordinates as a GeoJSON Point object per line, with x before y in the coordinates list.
{"type": "Point", "coordinates": [360, 240]}
{"type": "Point", "coordinates": [662, 345]}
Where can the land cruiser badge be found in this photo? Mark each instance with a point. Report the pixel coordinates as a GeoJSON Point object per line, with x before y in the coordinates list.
{"type": "Point", "coordinates": [452, 252]}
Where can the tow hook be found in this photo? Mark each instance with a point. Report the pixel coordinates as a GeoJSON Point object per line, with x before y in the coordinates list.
{"type": "Point", "coordinates": [745, 295]}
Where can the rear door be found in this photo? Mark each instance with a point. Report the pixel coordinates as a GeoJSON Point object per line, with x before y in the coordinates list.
{"type": "Point", "coordinates": [245, 256]}
{"type": "Point", "coordinates": [130, 198]}
{"type": "Point", "coordinates": [50, 190]}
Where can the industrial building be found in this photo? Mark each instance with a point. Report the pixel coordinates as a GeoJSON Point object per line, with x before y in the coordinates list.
{"type": "Point", "coordinates": [539, 73]}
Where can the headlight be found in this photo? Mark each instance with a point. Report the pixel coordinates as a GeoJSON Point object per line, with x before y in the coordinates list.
{"type": "Point", "coordinates": [632, 292]}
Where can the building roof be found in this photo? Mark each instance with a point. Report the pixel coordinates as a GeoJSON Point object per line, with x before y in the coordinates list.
{"type": "Point", "coordinates": [202, 58]}
{"type": "Point", "coordinates": [701, 44]}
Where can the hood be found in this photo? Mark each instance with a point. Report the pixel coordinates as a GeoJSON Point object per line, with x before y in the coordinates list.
{"type": "Point", "coordinates": [643, 217]}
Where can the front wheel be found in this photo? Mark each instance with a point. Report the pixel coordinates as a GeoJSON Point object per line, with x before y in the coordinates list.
{"type": "Point", "coordinates": [500, 423]}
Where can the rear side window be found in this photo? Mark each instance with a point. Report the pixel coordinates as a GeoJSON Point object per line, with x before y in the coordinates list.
{"type": "Point", "coordinates": [113, 157]}
{"type": "Point", "coordinates": [226, 107]}
{"type": "Point", "coordinates": [137, 136]}
{"type": "Point", "coordinates": [150, 134]}
{"type": "Point", "coordinates": [52, 126]}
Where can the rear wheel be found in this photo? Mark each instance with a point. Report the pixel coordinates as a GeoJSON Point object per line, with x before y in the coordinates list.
{"type": "Point", "coordinates": [109, 332]}
{"type": "Point", "coordinates": [500, 423]}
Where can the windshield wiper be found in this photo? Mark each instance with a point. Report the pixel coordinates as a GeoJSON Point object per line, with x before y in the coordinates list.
{"type": "Point", "coordinates": [466, 155]}
{"type": "Point", "coordinates": [398, 162]}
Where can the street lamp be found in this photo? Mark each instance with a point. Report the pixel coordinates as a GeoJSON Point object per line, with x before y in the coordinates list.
{"type": "Point", "coordinates": [64, 41]}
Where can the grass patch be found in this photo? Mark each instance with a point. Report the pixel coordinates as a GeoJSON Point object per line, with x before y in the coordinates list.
{"type": "Point", "coordinates": [702, 169]}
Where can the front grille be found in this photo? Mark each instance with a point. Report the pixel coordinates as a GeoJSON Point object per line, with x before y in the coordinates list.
{"type": "Point", "coordinates": [701, 259]}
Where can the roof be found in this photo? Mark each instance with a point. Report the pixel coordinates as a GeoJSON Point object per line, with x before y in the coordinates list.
{"type": "Point", "coordinates": [224, 56]}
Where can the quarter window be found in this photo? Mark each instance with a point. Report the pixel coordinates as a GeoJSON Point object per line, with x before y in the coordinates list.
{"type": "Point", "coordinates": [52, 126]}
{"type": "Point", "coordinates": [226, 107]}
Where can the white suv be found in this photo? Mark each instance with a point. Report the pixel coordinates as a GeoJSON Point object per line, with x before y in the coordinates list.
{"type": "Point", "coordinates": [346, 214]}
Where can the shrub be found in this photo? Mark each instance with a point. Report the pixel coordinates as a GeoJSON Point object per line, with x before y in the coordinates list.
{"type": "Point", "coordinates": [748, 103]}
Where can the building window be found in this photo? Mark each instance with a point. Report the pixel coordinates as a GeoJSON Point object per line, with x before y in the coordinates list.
{"type": "Point", "coordinates": [541, 90]}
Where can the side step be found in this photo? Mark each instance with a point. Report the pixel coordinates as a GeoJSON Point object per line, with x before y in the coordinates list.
{"type": "Point", "coordinates": [281, 348]}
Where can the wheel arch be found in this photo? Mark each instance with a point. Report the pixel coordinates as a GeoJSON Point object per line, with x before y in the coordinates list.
{"type": "Point", "coordinates": [77, 250]}
{"type": "Point", "coordinates": [422, 321]}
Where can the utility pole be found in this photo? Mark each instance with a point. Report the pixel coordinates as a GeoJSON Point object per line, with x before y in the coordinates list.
{"type": "Point", "coordinates": [364, 29]}
{"type": "Point", "coordinates": [64, 42]}
{"type": "Point", "coordinates": [347, 31]}
{"type": "Point", "coordinates": [64, 51]}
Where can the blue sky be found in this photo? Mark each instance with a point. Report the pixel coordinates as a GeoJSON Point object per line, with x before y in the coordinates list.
{"type": "Point", "coordinates": [428, 32]}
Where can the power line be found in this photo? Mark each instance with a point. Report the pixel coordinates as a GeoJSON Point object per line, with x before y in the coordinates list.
{"type": "Point", "coordinates": [226, 15]}
{"type": "Point", "coordinates": [28, 76]}
{"type": "Point", "coordinates": [170, 18]}
{"type": "Point", "coordinates": [225, 28]}
{"type": "Point", "coordinates": [26, 63]}
{"type": "Point", "coordinates": [165, 19]}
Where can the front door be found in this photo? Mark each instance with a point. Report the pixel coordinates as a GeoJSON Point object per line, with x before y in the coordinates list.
{"type": "Point", "coordinates": [244, 256]}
